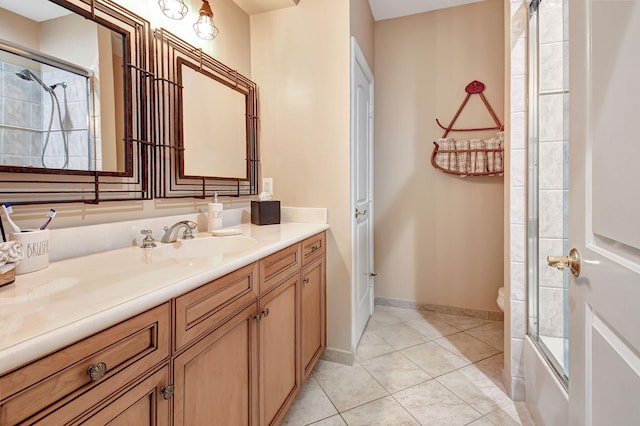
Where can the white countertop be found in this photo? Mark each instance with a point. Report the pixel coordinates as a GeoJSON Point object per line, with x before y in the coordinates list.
{"type": "Point", "coordinates": [74, 298]}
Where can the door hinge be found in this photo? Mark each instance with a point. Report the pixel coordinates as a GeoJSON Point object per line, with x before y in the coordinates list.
{"type": "Point", "coordinates": [370, 110]}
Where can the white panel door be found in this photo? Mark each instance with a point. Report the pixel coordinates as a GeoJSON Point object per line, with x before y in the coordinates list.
{"type": "Point", "coordinates": [361, 190]}
{"type": "Point", "coordinates": [604, 212]}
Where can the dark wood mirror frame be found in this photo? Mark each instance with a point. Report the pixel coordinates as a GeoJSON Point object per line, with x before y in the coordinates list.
{"type": "Point", "coordinates": [172, 55]}
{"type": "Point", "coordinates": [24, 185]}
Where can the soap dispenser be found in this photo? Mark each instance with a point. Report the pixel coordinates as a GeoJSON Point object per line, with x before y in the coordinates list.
{"type": "Point", "coordinates": [214, 214]}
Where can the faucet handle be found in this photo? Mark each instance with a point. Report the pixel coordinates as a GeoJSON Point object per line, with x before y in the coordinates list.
{"type": "Point", "coordinates": [148, 241]}
{"type": "Point", "coordinates": [188, 234]}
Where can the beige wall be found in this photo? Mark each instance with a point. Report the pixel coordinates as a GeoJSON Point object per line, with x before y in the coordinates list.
{"type": "Point", "coordinates": [363, 28]}
{"type": "Point", "coordinates": [438, 238]}
{"type": "Point", "coordinates": [300, 61]}
{"type": "Point", "coordinates": [19, 29]}
{"type": "Point", "coordinates": [232, 47]}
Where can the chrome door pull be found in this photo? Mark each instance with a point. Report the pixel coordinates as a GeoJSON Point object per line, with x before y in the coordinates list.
{"type": "Point", "coordinates": [360, 213]}
{"type": "Point", "coordinates": [561, 262]}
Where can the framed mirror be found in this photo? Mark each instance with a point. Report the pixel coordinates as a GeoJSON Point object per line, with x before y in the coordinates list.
{"type": "Point", "coordinates": [76, 81]}
{"type": "Point", "coordinates": [208, 128]}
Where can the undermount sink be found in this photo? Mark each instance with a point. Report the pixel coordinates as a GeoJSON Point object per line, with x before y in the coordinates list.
{"type": "Point", "coordinates": [203, 247]}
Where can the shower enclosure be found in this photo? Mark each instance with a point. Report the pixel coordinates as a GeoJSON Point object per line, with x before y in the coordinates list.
{"type": "Point", "coordinates": [45, 112]}
{"type": "Point", "coordinates": [548, 180]}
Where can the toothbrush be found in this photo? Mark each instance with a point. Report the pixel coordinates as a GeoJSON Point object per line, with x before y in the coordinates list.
{"type": "Point", "coordinates": [7, 210]}
{"type": "Point", "coordinates": [50, 216]}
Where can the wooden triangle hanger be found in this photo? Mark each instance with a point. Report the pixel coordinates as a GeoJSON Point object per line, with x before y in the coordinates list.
{"type": "Point", "coordinates": [474, 88]}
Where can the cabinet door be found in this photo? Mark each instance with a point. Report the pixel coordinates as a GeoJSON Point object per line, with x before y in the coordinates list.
{"type": "Point", "coordinates": [216, 379]}
{"type": "Point", "coordinates": [142, 405]}
{"type": "Point", "coordinates": [279, 350]}
{"type": "Point", "coordinates": [313, 322]}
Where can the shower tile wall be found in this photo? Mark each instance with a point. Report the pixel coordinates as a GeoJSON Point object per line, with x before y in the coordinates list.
{"type": "Point", "coordinates": [20, 118]}
{"type": "Point", "coordinates": [25, 110]}
{"type": "Point", "coordinates": [553, 176]}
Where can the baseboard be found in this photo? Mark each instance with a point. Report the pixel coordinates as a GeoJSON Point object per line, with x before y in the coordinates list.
{"type": "Point", "coordinates": [443, 309]}
{"type": "Point", "coordinates": [339, 356]}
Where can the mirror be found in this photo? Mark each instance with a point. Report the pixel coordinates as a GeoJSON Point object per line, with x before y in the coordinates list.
{"type": "Point", "coordinates": [214, 125]}
{"type": "Point", "coordinates": [92, 140]}
{"type": "Point", "coordinates": [207, 128]}
{"type": "Point", "coordinates": [63, 90]}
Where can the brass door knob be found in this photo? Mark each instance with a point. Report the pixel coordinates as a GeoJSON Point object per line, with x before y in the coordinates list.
{"type": "Point", "coordinates": [561, 262]}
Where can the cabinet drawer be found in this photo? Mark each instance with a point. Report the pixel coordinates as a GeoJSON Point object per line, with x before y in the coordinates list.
{"type": "Point", "coordinates": [127, 350]}
{"type": "Point", "coordinates": [313, 247]}
{"type": "Point", "coordinates": [208, 306]}
{"type": "Point", "coordinates": [278, 266]}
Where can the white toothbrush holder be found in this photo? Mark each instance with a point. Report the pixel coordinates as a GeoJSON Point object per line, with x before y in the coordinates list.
{"type": "Point", "coordinates": [35, 249]}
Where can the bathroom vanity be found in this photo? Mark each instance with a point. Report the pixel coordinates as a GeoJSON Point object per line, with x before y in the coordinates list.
{"type": "Point", "coordinates": [223, 337]}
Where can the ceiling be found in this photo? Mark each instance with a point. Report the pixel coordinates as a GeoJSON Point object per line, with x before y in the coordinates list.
{"type": "Point", "coordinates": [251, 7]}
{"type": "Point", "coordinates": [387, 9]}
{"type": "Point", "coordinates": [36, 10]}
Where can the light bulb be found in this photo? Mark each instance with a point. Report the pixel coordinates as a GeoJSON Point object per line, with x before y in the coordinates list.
{"type": "Point", "coordinates": [204, 27]}
{"type": "Point", "coordinates": [174, 9]}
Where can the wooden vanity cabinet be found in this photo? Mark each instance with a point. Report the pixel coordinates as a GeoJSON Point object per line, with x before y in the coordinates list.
{"type": "Point", "coordinates": [234, 351]}
{"type": "Point", "coordinates": [279, 347]}
{"type": "Point", "coordinates": [216, 380]}
{"type": "Point", "coordinates": [84, 376]}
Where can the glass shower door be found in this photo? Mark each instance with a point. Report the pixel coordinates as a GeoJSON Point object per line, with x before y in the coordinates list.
{"type": "Point", "coordinates": [548, 180]}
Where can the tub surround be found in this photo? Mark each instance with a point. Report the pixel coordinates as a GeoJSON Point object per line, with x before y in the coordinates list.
{"type": "Point", "coordinates": [74, 298]}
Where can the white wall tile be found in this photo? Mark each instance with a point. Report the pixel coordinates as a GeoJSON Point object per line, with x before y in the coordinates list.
{"type": "Point", "coordinates": [518, 281]}
{"type": "Point", "coordinates": [551, 311]}
{"type": "Point", "coordinates": [517, 246]}
{"type": "Point", "coordinates": [551, 165]}
{"type": "Point", "coordinates": [518, 93]}
{"type": "Point", "coordinates": [550, 214]}
{"type": "Point", "coordinates": [548, 276]}
{"type": "Point", "coordinates": [518, 130]}
{"type": "Point", "coordinates": [518, 56]}
{"type": "Point", "coordinates": [518, 205]}
{"type": "Point", "coordinates": [551, 21]}
{"type": "Point", "coordinates": [551, 121]}
{"type": "Point", "coordinates": [518, 168]}
{"type": "Point", "coordinates": [518, 319]}
{"type": "Point", "coordinates": [551, 72]}
{"type": "Point", "coordinates": [517, 359]}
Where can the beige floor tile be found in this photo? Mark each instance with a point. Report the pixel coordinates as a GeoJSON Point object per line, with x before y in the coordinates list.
{"type": "Point", "coordinates": [434, 359]}
{"type": "Point", "coordinates": [431, 403]}
{"type": "Point", "coordinates": [432, 328]}
{"type": "Point", "coordinates": [400, 336]}
{"type": "Point", "coordinates": [404, 314]}
{"type": "Point", "coordinates": [382, 318]}
{"type": "Point", "coordinates": [371, 346]}
{"type": "Point", "coordinates": [310, 405]}
{"type": "Point", "coordinates": [519, 416]}
{"type": "Point", "coordinates": [462, 322]}
{"type": "Point", "coordinates": [322, 366]}
{"type": "Point", "coordinates": [381, 412]}
{"type": "Point", "coordinates": [395, 372]}
{"type": "Point", "coordinates": [481, 422]}
{"type": "Point", "coordinates": [349, 387]}
{"type": "Point", "coordinates": [331, 421]}
{"type": "Point", "coordinates": [477, 390]}
{"type": "Point", "coordinates": [491, 333]}
{"type": "Point", "coordinates": [467, 347]}
{"type": "Point", "coordinates": [492, 368]}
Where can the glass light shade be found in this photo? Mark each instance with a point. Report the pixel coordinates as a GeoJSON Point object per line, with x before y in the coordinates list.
{"type": "Point", "coordinates": [174, 9]}
{"type": "Point", "coordinates": [204, 28]}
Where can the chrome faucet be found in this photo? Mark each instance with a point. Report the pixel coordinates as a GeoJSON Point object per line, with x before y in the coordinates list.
{"type": "Point", "coordinates": [171, 233]}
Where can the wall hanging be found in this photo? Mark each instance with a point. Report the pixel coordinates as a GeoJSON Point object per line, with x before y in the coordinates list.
{"type": "Point", "coordinates": [473, 157]}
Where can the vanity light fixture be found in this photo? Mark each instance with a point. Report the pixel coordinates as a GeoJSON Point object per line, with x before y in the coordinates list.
{"type": "Point", "coordinates": [174, 9]}
{"type": "Point", "coordinates": [204, 27]}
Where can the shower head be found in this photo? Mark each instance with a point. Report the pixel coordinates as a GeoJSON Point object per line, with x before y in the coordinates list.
{"type": "Point", "coordinates": [26, 74]}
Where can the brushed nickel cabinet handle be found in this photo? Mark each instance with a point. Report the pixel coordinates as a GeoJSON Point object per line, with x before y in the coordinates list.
{"type": "Point", "coordinates": [265, 312]}
{"type": "Point", "coordinates": [97, 372]}
{"type": "Point", "coordinates": [167, 391]}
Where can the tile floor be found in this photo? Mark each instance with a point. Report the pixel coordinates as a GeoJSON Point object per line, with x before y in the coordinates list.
{"type": "Point", "coordinates": [414, 368]}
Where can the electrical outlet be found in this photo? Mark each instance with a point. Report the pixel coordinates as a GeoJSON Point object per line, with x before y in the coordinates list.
{"type": "Point", "coordinates": [267, 185]}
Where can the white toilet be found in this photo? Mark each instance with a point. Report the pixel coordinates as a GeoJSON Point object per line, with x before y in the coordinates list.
{"type": "Point", "coordinates": [500, 299]}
